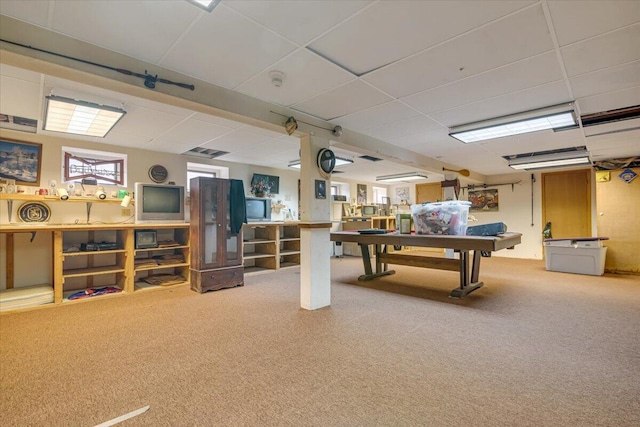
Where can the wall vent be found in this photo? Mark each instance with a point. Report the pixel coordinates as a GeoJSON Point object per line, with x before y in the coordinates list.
{"type": "Point", "coordinates": [370, 158]}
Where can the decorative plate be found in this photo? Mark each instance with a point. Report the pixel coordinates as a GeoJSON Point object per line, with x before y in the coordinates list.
{"type": "Point", "coordinates": [34, 212]}
{"type": "Point", "coordinates": [628, 175]}
{"type": "Point", "coordinates": [158, 173]}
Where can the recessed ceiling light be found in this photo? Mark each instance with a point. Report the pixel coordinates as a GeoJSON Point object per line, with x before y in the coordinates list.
{"type": "Point", "coordinates": [80, 117]}
{"type": "Point", "coordinates": [555, 117]}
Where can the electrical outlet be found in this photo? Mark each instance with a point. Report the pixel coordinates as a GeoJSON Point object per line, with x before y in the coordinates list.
{"type": "Point", "coordinates": [125, 212]}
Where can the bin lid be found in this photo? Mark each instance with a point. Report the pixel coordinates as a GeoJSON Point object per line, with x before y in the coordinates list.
{"type": "Point", "coordinates": [577, 239]}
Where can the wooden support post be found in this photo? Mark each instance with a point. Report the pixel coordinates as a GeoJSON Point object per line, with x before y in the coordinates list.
{"type": "Point", "coordinates": [9, 261]}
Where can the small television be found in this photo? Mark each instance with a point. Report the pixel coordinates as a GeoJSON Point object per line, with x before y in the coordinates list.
{"type": "Point", "coordinates": [369, 210]}
{"type": "Point", "coordinates": [158, 203]}
{"type": "Point", "coordinates": [258, 209]}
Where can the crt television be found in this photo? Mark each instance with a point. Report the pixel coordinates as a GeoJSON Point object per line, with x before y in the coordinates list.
{"type": "Point", "coordinates": [158, 203]}
{"type": "Point", "coordinates": [258, 209]}
{"type": "Point", "coordinates": [369, 210]}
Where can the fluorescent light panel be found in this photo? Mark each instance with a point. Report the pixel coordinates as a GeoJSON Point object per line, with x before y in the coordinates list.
{"type": "Point", "coordinates": [339, 162]}
{"type": "Point", "coordinates": [570, 158]}
{"type": "Point", "coordinates": [207, 5]}
{"type": "Point", "coordinates": [80, 117]}
{"type": "Point", "coordinates": [559, 116]}
{"type": "Point", "coordinates": [411, 176]}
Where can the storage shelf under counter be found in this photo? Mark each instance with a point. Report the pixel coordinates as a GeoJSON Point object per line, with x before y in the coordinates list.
{"type": "Point", "coordinates": [75, 270]}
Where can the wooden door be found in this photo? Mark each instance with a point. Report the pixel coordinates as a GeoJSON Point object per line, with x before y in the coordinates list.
{"type": "Point", "coordinates": [566, 203]}
{"type": "Point", "coordinates": [428, 192]}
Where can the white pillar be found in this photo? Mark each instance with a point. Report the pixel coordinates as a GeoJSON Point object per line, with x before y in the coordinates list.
{"type": "Point", "coordinates": [315, 222]}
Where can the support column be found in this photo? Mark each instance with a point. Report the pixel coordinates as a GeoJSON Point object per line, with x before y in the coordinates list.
{"type": "Point", "coordinates": [315, 223]}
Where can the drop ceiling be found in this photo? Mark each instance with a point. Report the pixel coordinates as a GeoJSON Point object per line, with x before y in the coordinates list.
{"type": "Point", "coordinates": [401, 72]}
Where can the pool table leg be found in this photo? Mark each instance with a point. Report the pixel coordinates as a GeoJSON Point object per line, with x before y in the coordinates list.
{"type": "Point", "coordinates": [467, 284]}
{"type": "Point", "coordinates": [366, 259]}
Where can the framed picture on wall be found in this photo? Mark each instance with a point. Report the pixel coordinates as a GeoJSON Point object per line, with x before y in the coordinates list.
{"type": "Point", "coordinates": [20, 161]}
{"type": "Point", "coordinates": [321, 189]}
{"type": "Point", "coordinates": [484, 200]}
{"type": "Point", "coordinates": [270, 183]}
{"type": "Point", "coordinates": [362, 194]}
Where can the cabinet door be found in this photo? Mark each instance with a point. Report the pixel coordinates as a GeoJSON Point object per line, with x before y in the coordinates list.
{"type": "Point", "coordinates": [210, 220]}
{"type": "Point", "coordinates": [232, 242]}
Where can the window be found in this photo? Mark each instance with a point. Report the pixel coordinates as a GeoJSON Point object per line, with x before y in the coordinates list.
{"type": "Point", "coordinates": [379, 194]}
{"type": "Point", "coordinates": [106, 168]}
{"type": "Point", "coordinates": [200, 169]}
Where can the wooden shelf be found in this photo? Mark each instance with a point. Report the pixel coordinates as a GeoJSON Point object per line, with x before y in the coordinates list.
{"type": "Point", "coordinates": [254, 255]}
{"type": "Point", "coordinates": [160, 266]}
{"type": "Point", "coordinates": [288, 252]}
{"type": "Point", "coordinates": [92, 271]}
{"type": "Point", "coordinates": [257, 241]}
{"type": "Point", "coordinates": [88, 253]}
{"type": "Point", "coordinates": [289, 265]}
{"type": "Point", "coordinates": [169, 248]}
{"type": "Point", "coordinates": [274, 245]}
{"type": "Point", "coordinates": [71, 269]}
{"type": "Point", "coordinates": [49, 198]}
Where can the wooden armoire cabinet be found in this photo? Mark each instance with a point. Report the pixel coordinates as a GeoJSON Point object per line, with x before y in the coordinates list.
{"type": "Point", "coordinates": [216, 252]}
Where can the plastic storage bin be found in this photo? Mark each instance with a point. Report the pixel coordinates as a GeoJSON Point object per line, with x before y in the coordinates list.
{"type": "Point", "coordinates": [575, 256]}
{"type": "Point", "coordinates": [448, 218]}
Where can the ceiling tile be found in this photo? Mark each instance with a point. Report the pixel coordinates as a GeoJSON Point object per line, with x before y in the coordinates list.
{"type": "Point", "coordinates": [166, 146]}
{"type": "Point", "coordinates": [146, 122]}
{"type": "Point", "coordinates": [610, 101]}
{"type": "Point", "coordinates": [467, 55]}
{"type": "Point", "coordinates": [607, 80]}
{"type": "Point", "coordinates": [525, 100]}
{"type": "Point", "coordinates": [380, 115]}
{"type": "Point", "coordinates": [33, 11]}
{"type": "Point", "coordinates": [535, 141]}
{"type": "Point", "coordinates": [126, 139]}
{"type": "Point", "coordinates": [500, 81]}
{"type": "Point", "coordinates": [366, 42]}
{"type": "Point", "coordinates": [402, 129]}
{"type": "Point", "coordinates": [317, 16]}
{"type": "Point", "coordinates": [347, 99]}
{"type": "Point", "coordinates": [573, 22]}
{"type": "Point", "coordinates": [194, 132]}
{"type": "Point", "coordinates": [225, 48]}
{"type": "Point", "coordinates": [20, 98]}
{"type": "Point", "coordinates": [144, 29]}
{"type": "Point", "coordinates": [306, 75]}
{"type": "Point", "coordinates": [614, 146]}
{"type": "Point", "coordinates": [429, 142]}
{"type": "Point", "coordinates": [236, 140]}
{"type": "Point", "coordinates": [608, 50]}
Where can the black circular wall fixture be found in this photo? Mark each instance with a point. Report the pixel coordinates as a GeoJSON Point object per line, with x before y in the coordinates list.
{"type": "Point", "coordinates": [326, 160]}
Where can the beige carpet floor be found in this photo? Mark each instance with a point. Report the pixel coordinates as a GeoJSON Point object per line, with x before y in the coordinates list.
{"type": "Point", "coordinates": [531, 348]}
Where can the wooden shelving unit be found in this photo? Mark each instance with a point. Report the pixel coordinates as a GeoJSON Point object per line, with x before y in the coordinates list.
{"type": "Point", "coordinates": [270, 246]}
{"type": "Point", "coordinates": [75, 270]}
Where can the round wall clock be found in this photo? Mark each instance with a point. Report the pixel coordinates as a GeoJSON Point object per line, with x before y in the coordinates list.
{"type": "Point", "coordinates": [158, 173]}
{"type": "Point", "coordinates": [326, 160]}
